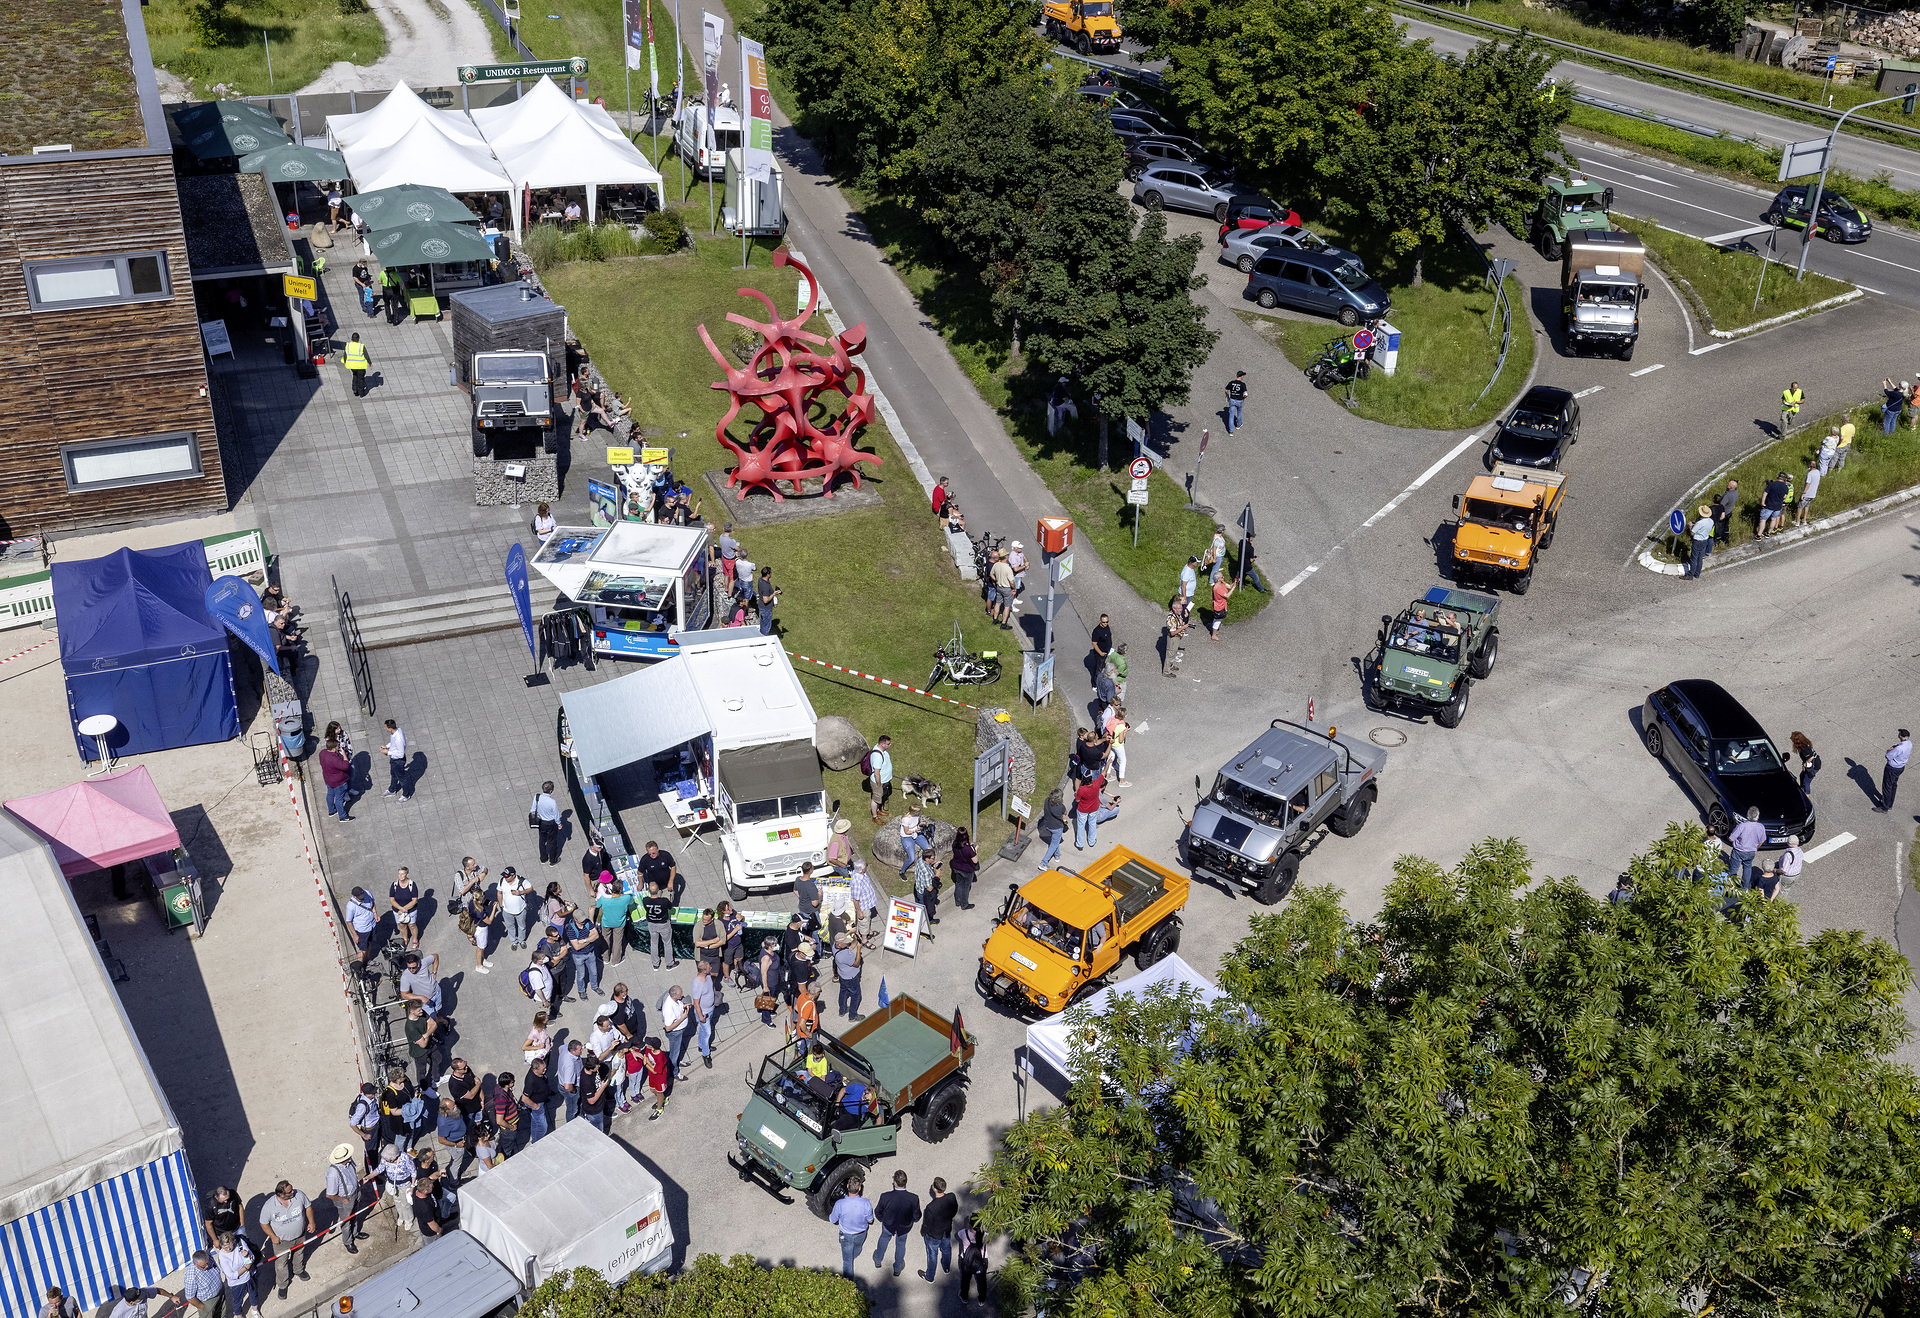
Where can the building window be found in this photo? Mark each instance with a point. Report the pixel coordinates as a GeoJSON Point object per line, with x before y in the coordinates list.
{"type": "Point", "coordinates": [104, 464]}
{"type": "Point", "coordinates": [98, 281]}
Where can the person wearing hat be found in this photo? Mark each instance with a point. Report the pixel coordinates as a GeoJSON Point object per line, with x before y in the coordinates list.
{"type": "Point", "coordinates": [1702, 539]}
{"type": "Point", "coordinates": [343, 1189]}
{"type": "Point", "coordinates": [772, 976]}
{"type": "Point", "coordinates": [840, 848]}
{"type": "Point", "coordinates": [1017, 560]}
{"type": "Point", "coordinates": [1236, 399]}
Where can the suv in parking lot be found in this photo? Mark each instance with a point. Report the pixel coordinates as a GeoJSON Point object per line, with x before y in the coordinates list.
{"type": "Point", "coordinates": [1130, 125]}
{"type": "Point", "coordinates": [1726, 759]}
{"type": "Point", "coordinates": [1243, 248]}
{"type": "Point", "coordinates": [1538, 432]}
{"type": "Point", "coordinates": [1150, 151]}
{"type": "Point", "coordinates": [1253, 210]}
{"type": "Point", "coordinates": [1315, 281]}
{"type": "Point", "coordinates": [1840, 221]}
{"type": "Point", "coordinates": [1183, 188]}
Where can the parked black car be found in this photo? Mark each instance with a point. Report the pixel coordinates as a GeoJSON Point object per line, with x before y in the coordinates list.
{"type": "Point", "coordinates": [1840, 220]}
{"type": "Point", "coordinates": [1133, 125]}
{"type": "Point", "coordinates": [1543, 425]}
{"type": "Point", "coordinates": [1726, 759]}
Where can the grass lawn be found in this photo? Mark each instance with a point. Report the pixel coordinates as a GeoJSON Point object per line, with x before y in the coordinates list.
{"type": "Point", "coordinates": [1446, 354]}
{"type": "Point", "coordinates": [1721, 284]}
{"type": "Point", "coordinates": [873, 589]}
{"type": "Point", "coordinates": [592, 28]}
{"type": "Point", "coordinates": [306, 36]}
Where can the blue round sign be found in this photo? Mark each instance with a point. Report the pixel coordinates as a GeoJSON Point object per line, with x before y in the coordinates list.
{"type": "Point", "coordinates": [1678, 521]}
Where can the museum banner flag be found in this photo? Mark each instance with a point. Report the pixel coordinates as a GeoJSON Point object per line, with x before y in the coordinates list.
{"type": "Point", "coordinates": [756, 139]}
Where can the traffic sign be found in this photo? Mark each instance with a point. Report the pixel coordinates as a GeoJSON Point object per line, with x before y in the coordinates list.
{"type": "Point", "coordinates": [1246, 520]}
{"type": "Point", "coordinates": [1139, 468]}
{"type": "Point", "coordinates": [1362, 340]}
{"type": "Point", "coordinates": [1801, 158]}
{"type": "Point", "coordinates": [298, 287]}
{"type": "Point", "coordinates": [1139, 483]}
{"type": "Point", "coordinates": [1062, 568]}
{"type": "Point", "coordinates": [1138, 496]}
{"type": "Point", "coordinates": [1677, 522]}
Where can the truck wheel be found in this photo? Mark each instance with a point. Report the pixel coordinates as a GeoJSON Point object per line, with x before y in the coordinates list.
{"type": "Point", "coordinates": [1450, 714]}
{"type": "Point", "coordinates": [550, 441]}
{"type": "Point", "coordinates": [479, 441]}
{"type": "Point", "coordinates": [1523, 582]}
{"type": "Point", "coordinates": [1547, 540]}
{"type": "Point", "coordinates": [1352, 817]}
{"type": "Point", "coordinates": [1081, 44]}
{"type": "Point", "coordinates": [1266, 298]}
{"type": "Point", "coordinates": [1279, 883]}
{"type": "Point", "coordinates": [1482, 663]}
{"type": "Point", "coordinates": [734, 890]}
{"type": "Point", "coordinates": [941, 1116]}
{"type": "Point", "coordinates": [1626, 353]}
{"type": "Point", "coordinates": [832, 1188]}
{"type": "Point", "coordinates": [1161, 941]}
{"type": "Point", "coordinates": [1549, 248]}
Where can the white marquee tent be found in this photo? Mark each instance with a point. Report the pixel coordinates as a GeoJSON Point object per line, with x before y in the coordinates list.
{"type": "Point", "coordinates": [425, 154]}
{"type": "Point", "coordinates": [546, 139]}
{"type": "Point", "coordinates": [397, 112]}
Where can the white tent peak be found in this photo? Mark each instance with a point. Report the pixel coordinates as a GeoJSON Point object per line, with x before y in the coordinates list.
{"type": "Point", "coordinates": [397, 112]}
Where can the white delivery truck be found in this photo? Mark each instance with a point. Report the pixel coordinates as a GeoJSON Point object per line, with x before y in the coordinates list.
{"type": "Point", "coordinates": [754, 207]}
{"type": "Point", "coordinates": [641, 583]}
{"type": "Point", "coordinates": [574, 1199]}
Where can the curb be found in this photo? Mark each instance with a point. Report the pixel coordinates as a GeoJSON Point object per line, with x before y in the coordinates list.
{"type": "Point", "coordinates": [957, 545]}
{"type": "Point", "coordinates": [1799, 535]}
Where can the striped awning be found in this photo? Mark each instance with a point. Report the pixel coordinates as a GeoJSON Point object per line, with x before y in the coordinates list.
{"type": "Point", "coordinates": [130, 1230]}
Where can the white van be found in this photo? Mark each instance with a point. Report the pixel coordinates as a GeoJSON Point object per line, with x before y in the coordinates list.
{"type": "Point", "coordinates": [709, 159]}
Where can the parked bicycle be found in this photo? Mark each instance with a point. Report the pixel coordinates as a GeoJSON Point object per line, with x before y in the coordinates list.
{"type": "Point", "coordinates": [985, 546]}
{"type": "Point", "coordinates": [963, 667]}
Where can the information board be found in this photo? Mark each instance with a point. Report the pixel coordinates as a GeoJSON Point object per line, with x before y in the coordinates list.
{"type": "Point", "coordinates": [214, 332]}
{"type": "Point", "coordinates": [902, 933]}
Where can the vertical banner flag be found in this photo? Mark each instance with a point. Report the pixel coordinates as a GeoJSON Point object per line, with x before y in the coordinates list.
{"type": "Point", "coordinates": [653, 64]}
{"type": "Point", "coordinates": [712, 29]}
{"type": "Point", "coordinates": [756, 141]}
{"type": "Point", "coordinates": [233, 603]}
{"type": "Point", "coordinates": [522, 598]}
{"type": "Point", "coordinates": [679, 64]}
{"type": "Point", "coordinates": [631, 11]}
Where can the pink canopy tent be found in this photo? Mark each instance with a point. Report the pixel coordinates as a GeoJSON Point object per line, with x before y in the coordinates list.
{"type": "Point", "coordinates": [100, 822]}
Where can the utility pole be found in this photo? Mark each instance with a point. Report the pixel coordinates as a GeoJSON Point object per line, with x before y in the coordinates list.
{"type": "Point", "coordinates": [1826, 161]}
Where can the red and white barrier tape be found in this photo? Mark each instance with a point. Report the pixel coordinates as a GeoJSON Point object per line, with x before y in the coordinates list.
{"type": "Point", "coordinates": [326, 902]}
{"type": "Point", "coordinates": [22, 540]}
{"type": "Point", "coordinates": [900, 686]}
{"type": "Point", "coordinates": [30, 649]}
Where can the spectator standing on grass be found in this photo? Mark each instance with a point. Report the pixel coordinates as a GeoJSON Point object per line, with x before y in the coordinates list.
{"type": "Point", "coordinates": [766, 594]}
{"type": "Point", "coordinates": [234, 1257]}
{"type": "Point", "coordinates": [1723, 510]}
{"type": "Point", "coordinates": [1845, 450]}
{"type": "Point", "coordinates": [287, 1218]}
{"type": "Point", "coordinates": [853, 1215]}
{"type": "Point", "coordinates": [936, 1226]}
{"type": "Point", "coordinates": [1060, 406]}
{"type": "Point", "coordinates": [337, 771]}
{"type": "Point", "coordinates": [1773, 503]}
{"type": "Point", "coordinates": [1702, 540]}
{"type": "Point", "coordinates": [546, 817]}
{"type": "Point", "coordinates": [898, 1210]}
{"type": "Point", "coordinates": [396, 749]}
{"type": "Point", "coordinates": [343, 1189]}
{"type": "Point", "coordinates": [1810, 488]}
{"type": "Point", "coordinates": [1829, 450]}
{"type": "Point", "coordinates": [880, 775]}
{"type": "Point", "coordinates": [1895, 403]}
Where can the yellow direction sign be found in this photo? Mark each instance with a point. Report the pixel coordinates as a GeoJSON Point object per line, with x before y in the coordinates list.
{"type": "Point", "coordinates": [298, 287]}
{"type": "Point", "coordinates": [656, 456]}
{"type": "Point", "coordinates": [619, 457]}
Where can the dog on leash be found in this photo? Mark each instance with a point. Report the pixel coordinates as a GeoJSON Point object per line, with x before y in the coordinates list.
{"type": "Point", "coordinates": [922, 790]}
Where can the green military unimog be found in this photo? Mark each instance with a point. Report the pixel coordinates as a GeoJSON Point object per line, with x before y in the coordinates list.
{"type": "Point", "coordinates": [1430, 655]}
{"type": "Point", "coordinates": [1570, 206]}
{"type": "Point", "coordinates": [814, 1129]}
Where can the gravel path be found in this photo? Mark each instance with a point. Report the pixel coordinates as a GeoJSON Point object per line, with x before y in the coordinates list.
{"type": "Point", "coordinates": [427, 41]}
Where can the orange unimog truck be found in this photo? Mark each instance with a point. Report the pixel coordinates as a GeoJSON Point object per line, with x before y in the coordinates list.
{"type": "Point", "coordinates": [1503, 522]}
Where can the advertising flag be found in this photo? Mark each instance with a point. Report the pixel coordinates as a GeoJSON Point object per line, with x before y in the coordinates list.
{"type": "Point", "coordinates": [237, 608]}
{"type": "Point", "coordinates": [712, 29]}
{"type": "Point", "coordinates": [756, 141]}
{"type": "Point", "coordinates": [679, 64]}
{"type": "Point", "coordinates": [653, 64]}
{"type": "Point", "coordinates": [522, 596]}
{"type": "Point", "coordinates": [633, 20]}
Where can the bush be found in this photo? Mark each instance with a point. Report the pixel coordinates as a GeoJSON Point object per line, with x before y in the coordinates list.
{"type": "Point", "coordinates": [667, 227]}
{"type": "Point", "coordinates": [543, 243]}
{"type": "Point", "coordinates": [738, 1288]}
{"type": "Point", "coordinates": [610, 240]}
{"type": "Point", "coordinates": [211, 23]}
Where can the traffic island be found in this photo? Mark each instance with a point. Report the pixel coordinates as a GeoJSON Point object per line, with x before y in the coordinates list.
{"type": "Point", "coordinates": [1740, 289]}
{"type": "Point", "coordinates": [801, 501]}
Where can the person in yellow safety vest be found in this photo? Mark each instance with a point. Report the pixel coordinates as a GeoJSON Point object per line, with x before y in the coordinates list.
{"type": "Point", "coordinates": [390, 291]}
{"type": "Point", "coordinates": [354, 356]}
{"type": "Point", "coordinates": [1790, 399]}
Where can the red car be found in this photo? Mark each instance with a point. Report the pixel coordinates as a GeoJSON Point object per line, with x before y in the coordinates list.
{"type": "Point", "coordinates": [1251, 210]}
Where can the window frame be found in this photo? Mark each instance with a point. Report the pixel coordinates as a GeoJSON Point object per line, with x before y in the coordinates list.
{"type": "Point", "coordinates": [120, 262]}
{"type": "Point", "coordinates": [87, 447]}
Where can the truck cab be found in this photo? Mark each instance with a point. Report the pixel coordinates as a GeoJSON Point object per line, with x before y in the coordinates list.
{"type": "Point", "coordinates": [1504, 521]}
{"type": "Point", "coordinates": [1272, 797]}
{"type": "Point", "coordinates": [513, 402]}
{"type": "Point", "coordinates": [1086, 25]}
{"type": "Point", "coordinates": [1575, 205]}
{"type": "Point", "coordinates": [772, 806]}
{"type": "Point", "coordinates": [1065, 930]}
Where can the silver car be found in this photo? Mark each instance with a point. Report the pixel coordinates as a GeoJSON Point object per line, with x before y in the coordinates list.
{"type": "Point", "coordinates": [1177, 185]}
{"type": "Point", "coordinates": [1243, 248]}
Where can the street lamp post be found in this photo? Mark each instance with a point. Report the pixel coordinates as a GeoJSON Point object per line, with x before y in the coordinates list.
{"type": "Point", "coordinates": [1826, 160]}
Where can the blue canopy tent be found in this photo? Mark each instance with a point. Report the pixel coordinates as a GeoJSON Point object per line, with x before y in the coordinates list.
{"type": "Point", "coordinates": [136, 643]}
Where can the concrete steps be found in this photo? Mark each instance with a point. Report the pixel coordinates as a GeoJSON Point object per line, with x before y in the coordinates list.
{"type": "Point", "coordinates": [464, 612]}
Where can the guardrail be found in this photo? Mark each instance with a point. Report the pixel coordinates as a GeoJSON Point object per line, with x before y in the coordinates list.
{"type": "Point", "coordinates": [356, 650]}
{"type": "Point", "coordinates": [1696, 79]}
{"type": "Point", "coordinates": [1502, 307]}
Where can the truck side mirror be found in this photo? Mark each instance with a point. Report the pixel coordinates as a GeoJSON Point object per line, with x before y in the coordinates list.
{"type": "Point", "coordinates": [1198, 794]}
{"type": "Point", "coordinates": [1456, 503]}
{"type": "Point", "coordinates": [1606, 200]}
{"type": "Point", "coordinates": [1643, 292]}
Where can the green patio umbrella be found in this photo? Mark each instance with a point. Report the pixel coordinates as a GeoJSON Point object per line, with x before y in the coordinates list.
{"type": "Point", "coordinates": [432, 243]}
{"type": "Point", "coordinates": [228, 128]}
{"type": "Point", "coordinates": [293, 163]}
{"type": "Point", "coordinates": [408, 203]}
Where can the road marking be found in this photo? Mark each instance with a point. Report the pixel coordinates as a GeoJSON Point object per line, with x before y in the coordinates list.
{"type": "Point", "coordinates": [1828, 847]}
{"type": "Point", "coordinates": [1708, 210]}
{"type": "Point", "coordinates": [1301, 576]}
{"type": "Point", "coordinates": [1883, 261]}
{"type": "Point", "coordinates": [1695, 352]}
{"type": "Point", "coordinates": [1662, 182]}
{"type": "Point", "coordinates": [1423, 478]}
{"type": "Point", "coordinates": [1647, 370]}
{"type": "Point", "coordinates": [1864, 289]}
{"type": "Point", "coordinates": [1593, 390]}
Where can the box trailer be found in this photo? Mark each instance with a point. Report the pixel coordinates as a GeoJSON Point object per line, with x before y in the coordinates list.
{"type": "Point", "coordinates": [755, 207]}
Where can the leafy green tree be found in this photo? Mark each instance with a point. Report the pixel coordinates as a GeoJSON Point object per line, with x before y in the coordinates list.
{"type": "Point", "coordinates": [1450, 141]}
{"type": "Point", "coordinates": [738, 1288]}
{"type": "Point", "coordinates": [1502, 1097]}
{"type": "Point", "coordinates": [1719, 23]}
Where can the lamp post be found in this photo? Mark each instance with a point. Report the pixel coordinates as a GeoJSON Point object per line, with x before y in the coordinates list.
{"type": "Point", "coordinates": [1826, 160]}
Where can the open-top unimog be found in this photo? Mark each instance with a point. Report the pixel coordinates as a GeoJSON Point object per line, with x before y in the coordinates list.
{"type": "Point", "coordinates": [1430, 656]}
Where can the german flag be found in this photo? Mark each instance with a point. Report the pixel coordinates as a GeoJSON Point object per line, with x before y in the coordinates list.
{"type": "Point", "coordinates": [957, 1038]}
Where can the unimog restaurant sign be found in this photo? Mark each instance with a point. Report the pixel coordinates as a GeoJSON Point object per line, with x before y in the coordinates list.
{"type": "Point", "coordinates": [557, 68]}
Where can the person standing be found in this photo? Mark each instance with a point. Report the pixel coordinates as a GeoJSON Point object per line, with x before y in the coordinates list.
{"type": "Point", "coordinates": [1052, 827]}
{"type": "Point", "coordinates": [482, 911]}
{"type": "Point", "coordinates": [234, 1257]}
{"type": "Point", "coordinates": [420, 980]}
{"type": "Point", "coordinates": [363, 1118]}
{"type": "Point", "coordinates": [537, 1096]}
{"type": "Point", "coordinates": [964, 864]}
{"type": "Point", "coordinates": [936, 1226]}
{"type": "Point", "coordinates": [1809, 488]}
{"type": "Point", "coordinates": [354, 356]}
{"type": "Point", "coordinates": [362, 919]}
{"type": "Point", "coordinates": [1117, 665]}
{"type": "Point", "coordinates": [1895, 403]}
{"type": "Point", "coordinates": [1117, 744]}
{"type": "Point", "coordinates": [1101, 643]}
{"type": "Point", "coordinates": [1773, 504]}
{"type": "Point", "coordinates": [1236, 398]}
{"type": "Point", "coordinates": [1000, 610]}
{"type": "Point", "coordinates": [1723, 510]}
{"type": "Point", "coordinates": [404, 896]}
{"type": "Point", "coordinates": [898, 1210]}
{"type": "Point", "coordinates": [729, 555]}
{"type": "Point", "coordinates": [287, 1218]}
{"type": "Point", "coordinates": [657, 906]}
{"type": "Point", "coordinates": [593, 863]}
{"type": "Point", "coordinates": [506, 1115]}
{"type": "Point", "coordinates": [1744, 841]}
{"type": "Point", "coordinates": [1017, 560]}
{"type": "Point", "coordinates": [396, 760]}
{"type": "Point", "coordinates": [971, 1244]}
{"type": "Point", "coordinates": [657, 866]}
{"type": "Point", "coordinates": [337, 771]}
{"type": "Point", "coordinates": [615, 909]}
{"type": "Point", "coordinates": [1060, 406]}
{"type": "Point", "coordinates": [200, 1284]}
{"type": "Point", "coordinates": [1845, 449]}
{"type": "Point", "coordinates": [1829, 450]}
{"type": "Point", "coordinates": [880, 775]}
{"type": "Point", "coordinates": [766, 595]}
{"type": "Point", "coordinates": [220, 1211]}
{"type": "Point", "coordinates": [1897, 755]}
{"type": "Point", "coordinates": [772, 977]}
{"type": "Point", "coordinates": [1809, 759]}
{"type": "Point", "coordinates": [343, 1189]}
{"type": "Point", "coordinates": [846, 969]}
{"type": "Point", "coordinates": [939, 498]}
{"type": "Point", "coordinates": [853, 1214]}
{"type": "Point", "coordinates": [1703, 528]}
{"type": "Point", "coordinates": [333, 208]}
{"type": "Point", "coordinates": [515, 892]}
{"type": "Point", "coordinates": [567, 1074]}
{"type": "Point", "coordinates": [866, 900]}
{"type": "Point", "coordinates": [423, 1042]}
{"type": "Point", "coordinates": [1785, 866]}
{"type": "Point", "coordinates": [545, 813]}
{"type": "Point", "coordinates": [583, 939]}
{"type": "Point", "coordinates": [705, 999]}
{"type": "Point", "coordinates": [1790, 399]}
{"type": "Point", "coordinates": [659, 1068]}
{"type": "Point", "coordinates": [1222, 592]}
{"type": "Point", "coordinates": [676, 1018]}
{"type": "Point", "coordinates": [926, 890]}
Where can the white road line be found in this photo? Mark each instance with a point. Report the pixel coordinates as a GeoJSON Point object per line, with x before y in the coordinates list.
{"type": "Point", "coordinates": [1708, 210]}
{"type": "Point", "coordinates": [1695, 352]}
{"type": "Point", "coordinates": [1828, 847]}
{"type": "Point", "coordinates": [1423, 478]}
{"type": "Point", "coordinates": [1883, 261]}
{"type": "Point", "coordinates": [1864, 289]}
{"type": "Point", "coordinates": [1301, 576]}
{"type": "Point", "coordinates": [1662, 182]}
{"type": "Point", "coordinates": [1592, 390]}
{"type": "Point", "coordinates": [1647, 370]}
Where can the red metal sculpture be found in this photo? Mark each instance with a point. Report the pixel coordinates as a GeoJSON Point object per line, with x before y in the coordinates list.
{"type": "Point", "coordinates": [796, 436]}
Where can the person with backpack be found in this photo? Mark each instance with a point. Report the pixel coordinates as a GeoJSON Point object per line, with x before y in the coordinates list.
{"type": "Point", "coordinates": [876, 766]}
{"type": "Point", "coordinates": [363, 1115]}
{"type": "Point", "coordinates": [536, 983]}
{"type": "Point", "coordinates": [970, 1242]}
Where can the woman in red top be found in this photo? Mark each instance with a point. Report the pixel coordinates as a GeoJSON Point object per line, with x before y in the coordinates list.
{"type": "Point", "coordinates": [1222, 592]}
{"type": "Point", "coordinates": [659, 1074]}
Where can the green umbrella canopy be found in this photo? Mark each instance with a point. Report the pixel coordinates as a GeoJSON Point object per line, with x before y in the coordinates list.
{"type": "Point", "coordinates": [228, 128]}
{"type": "Point", "coordinates": [292, 164]}
{"type": "Point", "coordinates": [408, 203]}
{"type": "Point", "coordinates": [432, 243]}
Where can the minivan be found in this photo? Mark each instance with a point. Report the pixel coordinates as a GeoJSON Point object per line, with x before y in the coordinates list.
{"type": "Point", "coordinates": [1179, 186]}
{"type": "Point", "coordinates": [1316, 281]}
{"type": "Point", "coordinates": [709, 159]}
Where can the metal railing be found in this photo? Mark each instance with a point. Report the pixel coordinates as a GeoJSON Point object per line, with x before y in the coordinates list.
{"type": "Point", "coordinates": [1497, 271]}
{"type": "Point", "coordinates": [356, 651]}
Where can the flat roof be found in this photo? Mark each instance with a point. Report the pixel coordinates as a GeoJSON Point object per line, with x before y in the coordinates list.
{"type": "Point", "coordinates": [85, 74]}
{"type": "Point", "coordinates": [233, 226]}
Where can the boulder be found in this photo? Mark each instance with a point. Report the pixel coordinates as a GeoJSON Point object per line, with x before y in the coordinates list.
{"type": "Point", "coordinates": [838, 742]}
{"type": "Point", "coordinates": [888, 853]}
{"type": "Point", "coordinates": [987, 730]}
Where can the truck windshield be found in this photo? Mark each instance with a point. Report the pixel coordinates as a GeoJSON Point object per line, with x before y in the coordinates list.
{"type": "Point", "coordinates": [1412, 636]}
{"type": "Point", "coordinates": [1044, 928]}
{"type": "Point", "coordinates": [1100, 9]}
{"type": "Point", "coordinates": [786, 1088]}
{"type": "Point", "coordinates": [518, 369]}
{"type": "Point", "coordinates": [1607, 295]}
{"type": "Point", "coordinates": [1488, 513]}
{"type": "Point", "coordinates": [1745, 755]}
{"type": "Point", "coordinates": [780, 807]}
{"type": "Point", "coordinates": [1244, 800]}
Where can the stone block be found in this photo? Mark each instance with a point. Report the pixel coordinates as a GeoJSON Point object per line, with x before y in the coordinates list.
{"type": "Point", "coordinates": [839, 743]}
{"type": "Point", "coordinates": [493, 488]}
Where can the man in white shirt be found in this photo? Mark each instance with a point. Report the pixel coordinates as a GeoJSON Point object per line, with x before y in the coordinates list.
{"type": "Point", "coordinates": [676, 1018]}
{"type": "Point", "coordinates": [132, 1304]}
{"type": "Point", "coordinates": [546, 814]}
{"type": "Point", "coordinates": [1897, 755]}
{"type": "Point", "coordinates": [1189, 579]}
{"type": "Point", "coordinates": [566, 1073]}
{"type": "Point", "coordinates": [515, 888]}
{"type": "Point", "coordinates": [605, 1040]}
{"type": "Point", "coordinates": [396, 760]}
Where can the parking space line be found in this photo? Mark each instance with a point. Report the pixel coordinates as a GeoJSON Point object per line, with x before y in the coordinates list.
{"type": "Point", "coordinates": [1647, 370]}
{"type": "Point", "coordinates": [1828, 847]}
{"type": "Point", "coordinates": [1594, 389]}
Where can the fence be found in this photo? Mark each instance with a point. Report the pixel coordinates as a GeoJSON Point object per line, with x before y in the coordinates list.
{"type": "Point", "coordinates": [1497, 270]}
{"type": "Point", "coordinates": [499, 16]}
{"type": "Point", "coordinates": [29, 599]}
{"type": "Point", "coordinates": [356, 650]}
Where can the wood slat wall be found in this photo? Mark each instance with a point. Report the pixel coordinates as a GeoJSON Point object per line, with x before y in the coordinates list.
{"type": "Point", "coordinates": [98, 372]}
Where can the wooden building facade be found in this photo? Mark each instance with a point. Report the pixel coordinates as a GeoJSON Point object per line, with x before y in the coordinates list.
{"type": "Point", "coordinates": [103, 380]}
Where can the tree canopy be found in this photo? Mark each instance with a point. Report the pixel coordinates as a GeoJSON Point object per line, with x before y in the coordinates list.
{"type": "Point", "coordinates": [738, 1288]}
{"type": "Point", "coordinates": [1503, 1096]}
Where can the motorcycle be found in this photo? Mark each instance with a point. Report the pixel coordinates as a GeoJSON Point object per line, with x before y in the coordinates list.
{"type": "Point", "coordinates": [1338, 363]}
{"type": "Point", "coordinates": [962, 667]}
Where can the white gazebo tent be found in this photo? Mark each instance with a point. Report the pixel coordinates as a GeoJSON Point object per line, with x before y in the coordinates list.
{"type": "Point", "coordinates": [425, 154]}
{"type": "Point", "coordinates": [386, 122]}
{"type": "Point", "coordinates": [546, 139]}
